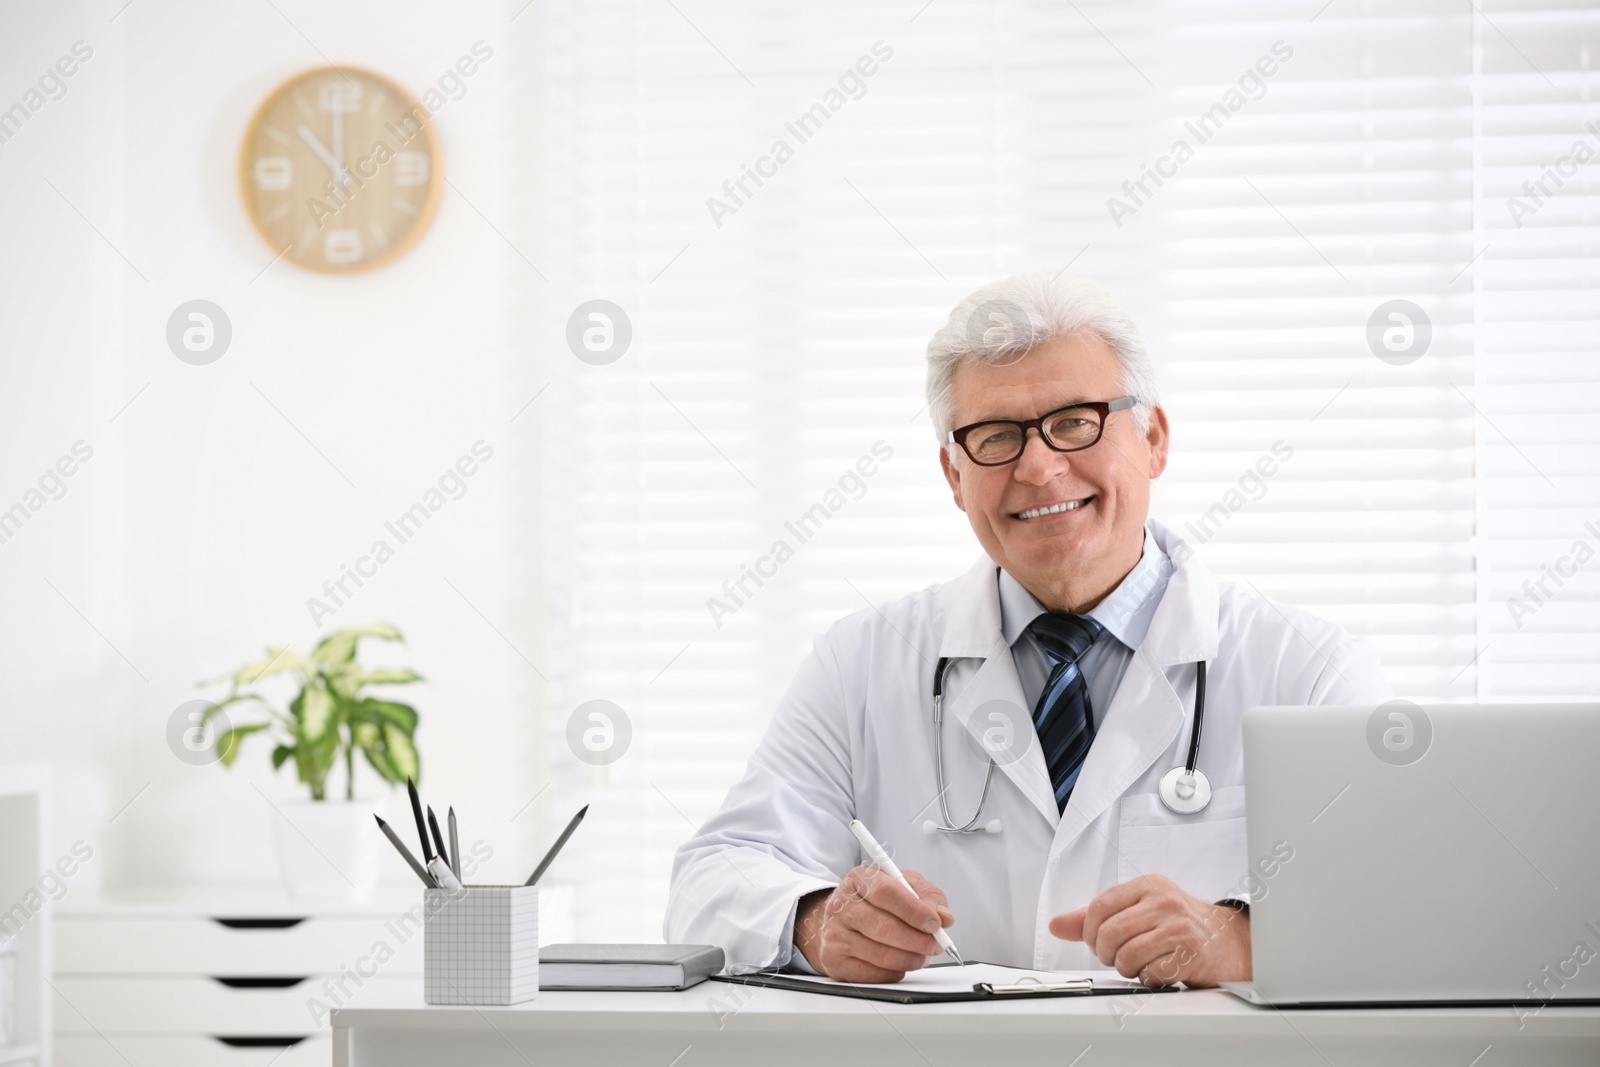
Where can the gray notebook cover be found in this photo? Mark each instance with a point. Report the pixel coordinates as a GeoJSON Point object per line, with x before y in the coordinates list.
{"type": "Point", "coordinates": [627, 966]}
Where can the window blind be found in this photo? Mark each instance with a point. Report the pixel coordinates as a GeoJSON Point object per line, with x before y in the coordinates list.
{"type": "Point", "coordinates": [1537, 380]}
{"type": "Point", "coordinates": [778, 327]}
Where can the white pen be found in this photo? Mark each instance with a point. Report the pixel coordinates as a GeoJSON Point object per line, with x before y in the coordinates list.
{"type": "Point", "coordinates": [881, 860]}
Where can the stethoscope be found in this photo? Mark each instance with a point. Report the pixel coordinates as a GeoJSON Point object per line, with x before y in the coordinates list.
{"type": "Point", "coordinates": [1184, 790]}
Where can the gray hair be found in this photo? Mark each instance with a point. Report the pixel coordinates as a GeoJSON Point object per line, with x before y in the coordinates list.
{"type": "Point", "coordinates": [1007, 318]}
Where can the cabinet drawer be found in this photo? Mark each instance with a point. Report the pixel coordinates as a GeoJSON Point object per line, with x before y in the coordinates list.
{"type": "Point", "coordinates": [192, 945]}
{"type": "Point", "coordinates": [173, 1005]}
{"type": "Point", "coordinates": [121, 1050]}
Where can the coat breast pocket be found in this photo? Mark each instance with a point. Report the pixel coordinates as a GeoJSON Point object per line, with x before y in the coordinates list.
{"type": "Point", "coordinates": [1205, 854]}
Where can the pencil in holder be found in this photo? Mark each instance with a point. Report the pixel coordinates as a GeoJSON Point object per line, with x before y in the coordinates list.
{"type": "Point", "coordinates": [480, 944]}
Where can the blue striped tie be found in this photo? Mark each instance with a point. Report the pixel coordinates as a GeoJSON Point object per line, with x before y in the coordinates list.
{"type": "Point", "coordinates": [1062, 717]}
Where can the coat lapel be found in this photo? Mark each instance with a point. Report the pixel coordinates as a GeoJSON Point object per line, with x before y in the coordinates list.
{"type": "Point", "coordinates": [1141, 723]}
{"type": "Point", "coordinates": [1146, 714]}
{"type": "Point", "coordinates": [972, 631]}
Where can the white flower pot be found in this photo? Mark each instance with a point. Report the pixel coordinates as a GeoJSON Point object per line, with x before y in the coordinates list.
{"type": "Point", "coordinates": [328, 848]}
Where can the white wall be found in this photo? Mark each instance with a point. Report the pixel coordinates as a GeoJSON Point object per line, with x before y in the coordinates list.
{"type": "Point", "coordinates": [204, 520]}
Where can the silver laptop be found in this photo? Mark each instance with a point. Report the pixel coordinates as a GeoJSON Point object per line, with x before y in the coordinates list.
{"type": "Point", "coordinates": [1424, 854]}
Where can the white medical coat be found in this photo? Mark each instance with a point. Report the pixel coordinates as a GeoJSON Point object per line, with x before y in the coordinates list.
{"type": "Point", "coordinates": [853, 738]}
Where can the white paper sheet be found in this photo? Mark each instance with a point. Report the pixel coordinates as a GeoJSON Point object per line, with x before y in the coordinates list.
{"type": "Point", "coordinates": [958, 979]}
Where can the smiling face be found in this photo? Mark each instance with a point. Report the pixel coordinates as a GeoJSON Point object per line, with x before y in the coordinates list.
{"type": "Point", "coordinates": [1068, 525]}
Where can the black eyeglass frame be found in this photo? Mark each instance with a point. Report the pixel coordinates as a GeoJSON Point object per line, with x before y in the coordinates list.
{"type": "Point", "coordinates": [1103, 407]}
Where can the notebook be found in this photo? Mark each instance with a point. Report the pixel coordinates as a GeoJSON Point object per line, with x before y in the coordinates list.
{"type": "Point", "coordinates": [627, 966]}
{"type": "Point", "coordinates": [943, 982]}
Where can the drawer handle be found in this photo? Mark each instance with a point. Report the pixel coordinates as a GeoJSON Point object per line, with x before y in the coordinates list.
{"type": "Point", "coordinates": [258, 1042]}
{"type": "Point", "coordinates": [250, 982]}
{"type": "Point", "coordinates": [259, 924]}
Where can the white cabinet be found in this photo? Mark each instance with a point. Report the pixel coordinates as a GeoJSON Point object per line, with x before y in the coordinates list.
{"type": "Point", "coordinates": [220, 975]}
{"type": "Point", "coordinates": [25, 919]}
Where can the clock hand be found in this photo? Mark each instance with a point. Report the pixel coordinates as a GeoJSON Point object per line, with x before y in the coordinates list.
{"type": "Point", "coordinates": [338, 134]}
{"type": "Point", "coordinates": [339, 172]}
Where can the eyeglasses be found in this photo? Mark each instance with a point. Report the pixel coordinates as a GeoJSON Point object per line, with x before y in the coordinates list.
{"type": "Point", "coordinates": [1069, 429]}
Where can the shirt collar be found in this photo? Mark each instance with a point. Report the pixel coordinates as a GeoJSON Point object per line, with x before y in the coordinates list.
{"type": "Point", "coordinates": [1125, 613]}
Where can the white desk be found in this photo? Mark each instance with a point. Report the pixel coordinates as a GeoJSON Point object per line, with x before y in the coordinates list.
{"type": "Point", "coordinates": [716, 1024]}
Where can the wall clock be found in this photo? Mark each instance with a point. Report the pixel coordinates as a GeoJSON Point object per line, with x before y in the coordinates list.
{"type": "Point", "coordinates": [340, 170]}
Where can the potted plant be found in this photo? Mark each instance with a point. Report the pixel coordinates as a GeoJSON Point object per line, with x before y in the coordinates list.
{"type": "Point", "coordinates": [326, 848]}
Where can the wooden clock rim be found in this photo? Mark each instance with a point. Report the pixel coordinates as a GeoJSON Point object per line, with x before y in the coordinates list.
{"type": "Point", "coordinates": [435, 169]}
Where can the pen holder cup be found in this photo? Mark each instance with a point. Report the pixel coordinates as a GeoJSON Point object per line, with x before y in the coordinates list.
{"type": "Point", "coordinates": [480, 944]}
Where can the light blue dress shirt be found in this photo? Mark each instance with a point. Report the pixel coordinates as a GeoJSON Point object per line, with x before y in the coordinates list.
{"type": "Point", "coordinates": [1125, 613]}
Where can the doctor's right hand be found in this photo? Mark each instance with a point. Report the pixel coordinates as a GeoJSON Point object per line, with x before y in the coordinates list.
{"type": "Point", "coordinates": [868, 928]}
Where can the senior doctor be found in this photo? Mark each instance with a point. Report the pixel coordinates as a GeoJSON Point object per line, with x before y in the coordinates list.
{"type": "Point", "coordinates": [1071, 653]}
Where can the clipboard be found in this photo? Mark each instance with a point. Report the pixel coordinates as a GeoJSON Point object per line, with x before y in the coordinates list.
{"type": "Point", "coordinates": [1018, 984]}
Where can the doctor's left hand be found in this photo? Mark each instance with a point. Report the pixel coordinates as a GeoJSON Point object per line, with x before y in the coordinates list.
{"type": "Point", "coordinates": [1150, 929]}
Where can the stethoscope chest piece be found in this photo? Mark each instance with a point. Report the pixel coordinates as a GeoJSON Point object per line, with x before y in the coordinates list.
{"type": "Point", "coordinates": [1185, 791]}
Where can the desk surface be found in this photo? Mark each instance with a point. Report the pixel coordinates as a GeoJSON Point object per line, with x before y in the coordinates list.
{"type": "Point", "coordinates": [717, 1024]}
{"type": "Point", "coordinates": [717, 1006]}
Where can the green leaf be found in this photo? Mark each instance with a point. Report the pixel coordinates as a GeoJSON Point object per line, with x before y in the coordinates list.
{"type": "Point", "coordinates": [324, 750]}
{"type": "Point", "coordinates": [218, 705]}
{"type": "Point", "coordinates": [313, 711]}
{"type": "Point", "coordinates": [345, 681]}
{"type": "Point", "coordinates": [403, 754]}
{"type": "Point", "coordinates": [390, 752]}
{"type": "Point", "coordinates": [390, 676]}
{"type": "Point", "coordinates": [281, 659]}
{"type": "Point", "coordinates": [387, 711]}
{"type": "Point", "coordinates": [340, 646]}
{"type": "Point", "coordinates": [303, 768]}
{"type": "Point", "coordinates": [315, 759]}
{"type": "Point", "coordinates": [348, 680]}
{"type": "Point", "coordinates": [228, 743]}
{"type": "Point", "coordinates": [274, 715]}
{"type": "Point", "coordinates": [317, 715]}
{"type": "Point", "coordinates": [378, 757]}
{"type": "Point", "coordinates": [279, 754]}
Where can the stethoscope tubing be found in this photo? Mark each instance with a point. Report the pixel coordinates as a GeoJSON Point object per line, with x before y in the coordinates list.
{"type": "Point", "coordinates": [949, 826]}
{"type": "Point", "coordinates": [1199, 716]}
